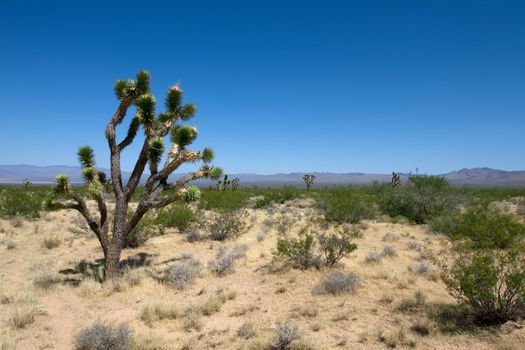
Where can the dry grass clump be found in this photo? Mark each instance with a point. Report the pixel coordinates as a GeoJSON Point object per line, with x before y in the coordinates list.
{"type": "Point", "coordinates": [129, 278]}
{"type": "Point", "coordinates": [338, 283]}
{"type": "Point", "coordinates": [47, 280]}
{"type": "Point", "coordinates": [390, 237]}
{"type": "Point", "coordinates": [307, 310]}
{"type": "Point", "coordinates": [373, 258]}
{"type": "Point", "coordinates": [411, 305]}
{"type": "Point", "coordinates": [398, 337]}
{"type": "Point", "coordinates": [24, 312]}
{"type": "Point", "coordinates": [103, 336]}
{"type": "Point", "coordinates": [52, 241]}
{"type": "Point", "coordinates": [149, 341]}
{"type": "Point", "coordinates": [156, 312]}
{"type": "Point", "coordinates": [7, 343]}
{"type": "Point", "coordinates": [184, 273]}
{"type": "Point", "coordinates": [422, 327]}
{"type": "Point", "coordinates": [247, 331]}
{"type": "Point", "coordinates": [192, 319]}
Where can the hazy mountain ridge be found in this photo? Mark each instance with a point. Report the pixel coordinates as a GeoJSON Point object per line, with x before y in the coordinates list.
{"type": "Point", "coordinates": [14, 174]}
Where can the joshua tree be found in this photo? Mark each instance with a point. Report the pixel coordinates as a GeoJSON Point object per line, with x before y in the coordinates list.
{"type": "Point", "coordinates": [396, 180]}
{"type": "Point", "coordinates": [223, 185]}
{"type": "Point", "coordinates": [309, 180]}
{"type": "Point", "coordinates": [235, 183]}
{"type": "Point", "coordinates": [158, 191]}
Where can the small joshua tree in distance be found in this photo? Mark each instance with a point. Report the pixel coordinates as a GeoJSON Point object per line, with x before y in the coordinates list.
{"type": "Point", "coordinates": [158, 191]}
{"type": "Point", "coordinates": [309, 180]}
{"type": "Point", "coordinates": [235, 183]}
{"type": "Point", "coordinates": [396, 180]}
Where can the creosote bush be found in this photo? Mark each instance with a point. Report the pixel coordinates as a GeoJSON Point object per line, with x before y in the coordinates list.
{"type": "Point", "coordinates": [335, 246]}
{"type": "Point", "coordinates": [223, 225]}
{"type": "Point", "coordinates": [346, 205]}
{"type": "Point", "coordinates": [483, 227]}
{"type": "Point", "coordinates": [300, 251]}
{"type": "Point", "coordinates": [103, 336]}
{"type": "Point", "coordinates": [489, 283]}
{"type": "Point", "coordinates": [421, 198]}
{"type": "Point", "coordinates": [178, 216]}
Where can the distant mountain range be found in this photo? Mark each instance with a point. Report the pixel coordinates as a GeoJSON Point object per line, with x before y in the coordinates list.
{"type": "Point", "coordinates": [476, 177]}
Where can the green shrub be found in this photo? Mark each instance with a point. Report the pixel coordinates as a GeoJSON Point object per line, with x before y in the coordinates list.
{"type": "Point", "coordinates": [335, 246]}
{"type": "Point", "coordinates": [226, 224]}
{"type": "Point", "coordinates": [178, 216]}
{"type": "Point", "coordinates": [421, 198]}
{"type": "Point", "coordinates": [144, 230]}
{"type": "Point", "coordinates": [21, 201]}
{"type": "Point", "coordinates": [343, 205]}
{"type": "Point", "coordinates": [490, 284]}
{"type": "Point", "coordinates": [300, 251]}
{"type": "Point", "coordinates": [227, 200]}
{"type": "Point", "coordinates": [483, 227]}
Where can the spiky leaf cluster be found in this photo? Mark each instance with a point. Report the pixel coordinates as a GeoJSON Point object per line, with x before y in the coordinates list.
{"type": "Point", "coordinates": [183, 135]}
{"type": "Point", "coordinates": [156, 148]}
{"type": "Point", "coordinates": [146, 105]}
{"type": "Point", "coordinates": [207, 155]}
{"type": "Point", "coordinates": [173, 99]}
{"type": "Point", "coordinates": [62, 184]}
{"type": "Point", "coordinates": [142, 84]}
{"type": "Point", "coordinates": [216, 173]}
{"type": "Point", "coordinates": [86, 156]}
{"type": "Point", "coordinates": [192, 193]}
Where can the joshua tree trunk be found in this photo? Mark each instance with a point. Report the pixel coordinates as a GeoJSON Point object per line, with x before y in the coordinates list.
{"type": "Point", "coordinates": [158, 192]}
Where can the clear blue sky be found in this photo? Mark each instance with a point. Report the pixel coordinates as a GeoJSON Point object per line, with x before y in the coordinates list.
{"type": "Point", "coordinates": [281, 86]}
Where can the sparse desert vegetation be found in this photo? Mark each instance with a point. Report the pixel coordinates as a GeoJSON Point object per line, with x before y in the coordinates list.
{"type": "Point", "coordinates": [345, 282]}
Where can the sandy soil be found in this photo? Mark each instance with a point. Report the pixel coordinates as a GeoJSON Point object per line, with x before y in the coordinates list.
{"type": "Point", "coordinates": [259, 293]}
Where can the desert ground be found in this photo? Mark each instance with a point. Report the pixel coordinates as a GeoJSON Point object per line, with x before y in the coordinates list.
{"type": "Point", "coordinates": [44, 301]}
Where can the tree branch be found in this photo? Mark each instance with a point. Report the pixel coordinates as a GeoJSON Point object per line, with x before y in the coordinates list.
{"type": "Point", "coordinates": [113, 147]}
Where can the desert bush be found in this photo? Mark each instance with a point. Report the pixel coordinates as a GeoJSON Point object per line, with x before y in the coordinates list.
{"type": "Point", "coordinates": [483, 227]}
{"type": "Point", "coordinates": [224, 263]}
{"type": "Point", "coordinates": [338, 283]}
{"type": "Point", "coordinates": [178, 216]}
{"type": "Point", "coordinates": [389, 251]}
{"type": "Point", "coordinates": [102, 336]}
{"type": "Point", "coordinates": [224, 225]}
{"type": "Point", "coordinates": [335, 246]}
{"type": "Point", "coordinates": [246, 331]}
{"type": "Point", "coordinates": [223, 200]}
{"type": "Point", "coordinates": [184, 273]}
{"type": "Point", "coordinates": [287, 332]}
{"type": "Point", "coordinates": [300, 251]}
{"type": "Point", "coordinates": [346, 206]}
{"type": "Point", "coordinates": [490, 284]}
{"type": "Point", "coordinates": [192, 233]}
{"type": "Point", "coordinates": [21, 201]}
{"type": "Point", "coordinates": [373, 257]}
{"type": "Point", "coordinates": [283, 225]}
{"type": "Point", "coordinates": [421, 198]}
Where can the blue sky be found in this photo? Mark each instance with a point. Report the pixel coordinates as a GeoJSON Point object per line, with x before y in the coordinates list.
{"type": "Point", "coordinates": [281, 86]}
